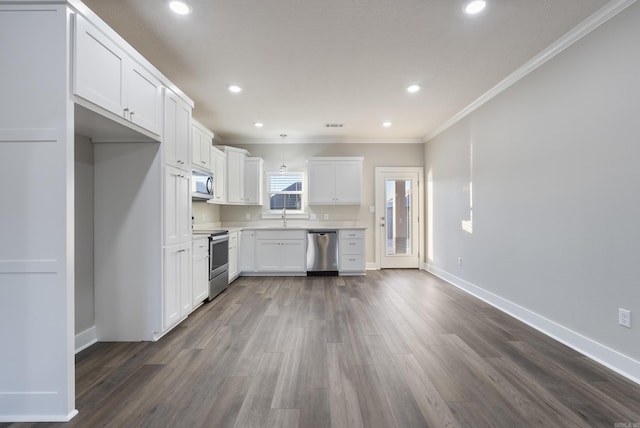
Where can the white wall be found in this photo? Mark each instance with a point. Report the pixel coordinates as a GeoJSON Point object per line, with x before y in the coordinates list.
{"type": "Point", "coordinates": [84, 308]}
{"type": "Point", "coordinates": [295, 157]}
{"type": "Point", "coordinates": [555, 195]}
{"type": "Point", "coordinates": [203, 212]}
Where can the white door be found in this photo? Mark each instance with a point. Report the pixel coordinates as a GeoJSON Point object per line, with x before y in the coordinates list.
{"type": "Point", "coordinates": [398, 210]}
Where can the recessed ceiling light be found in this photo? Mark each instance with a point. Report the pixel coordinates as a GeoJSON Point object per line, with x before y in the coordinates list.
{"type": "Point", "coordinates": [180, 7]}
{"type": "Point", "coordinates": [258, 124]}
{"type": "Point", "coordinates": [235, 89]}
{"type": "Point", "coordinates": [386, 124]}
{"type": "Point", "coordinates": [475, 6]}
{"type": "Point", "coordinates": [413, 89]}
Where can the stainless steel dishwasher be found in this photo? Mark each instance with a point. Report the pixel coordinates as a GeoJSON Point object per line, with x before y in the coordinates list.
{"type": "Point", "coordinates": [322, 252]}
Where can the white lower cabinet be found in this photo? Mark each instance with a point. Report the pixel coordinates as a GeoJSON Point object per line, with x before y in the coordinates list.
{"type": "Point", "coordinates": [177, 302]}
{"type": "Point", "coordinates": [233, 256]}
{"type": "Point", "coordinates": [200, 266]}
{"type": "Point", "coordinates": [280, 251]}
{"type": "Point", "coordinates": [247, 251]}
{"type": "Point", "coordinates": [352, 252]}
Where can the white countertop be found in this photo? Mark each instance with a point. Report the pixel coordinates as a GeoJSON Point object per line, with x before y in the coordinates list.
{"type": "Point", "coordinates": [206, 228]}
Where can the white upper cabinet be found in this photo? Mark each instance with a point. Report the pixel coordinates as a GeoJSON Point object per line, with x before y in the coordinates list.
{"type": "Point", "coordinates": [219, 166]}
{"type": "Point", "coordinates": [235, 174]}
{"type": "Point", "coordinates": [110, 79]}
{"type": "Point", "coordinates": [253, 181]}
{"type": "Point", "coordinates": [143, 93]}
{"type": "Point", "coordinates": [177, 131]}
{"type": "Point", "coordinates": [99, 68]}
{"type": "Point", "coordinates": [335, 181]}
{"type": "Point", "coordinates": [201, 146]}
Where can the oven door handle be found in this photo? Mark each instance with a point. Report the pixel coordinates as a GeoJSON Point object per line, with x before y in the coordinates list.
{"type": "Point", "coordinates": [220, 238]}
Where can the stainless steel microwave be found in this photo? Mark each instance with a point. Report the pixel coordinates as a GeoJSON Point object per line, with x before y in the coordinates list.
{"type": "Point", "coordinates": [201, 185]}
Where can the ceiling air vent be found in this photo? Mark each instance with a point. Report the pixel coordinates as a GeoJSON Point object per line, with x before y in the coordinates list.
{"type": "Point", "coordinates": [334, 125]}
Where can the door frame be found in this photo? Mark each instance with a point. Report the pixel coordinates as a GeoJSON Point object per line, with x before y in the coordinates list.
{"type": "Point", "coordinates": [379, 190]}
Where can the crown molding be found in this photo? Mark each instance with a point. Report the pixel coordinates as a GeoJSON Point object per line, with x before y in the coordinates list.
{"type": "Point", "coordinates": [578, 32]}
{"type": "Point", "coordinates": [322, 140]}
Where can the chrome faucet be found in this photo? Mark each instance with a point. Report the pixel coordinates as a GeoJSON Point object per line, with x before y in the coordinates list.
{"type": "Point", "coordinates": [284, 216]}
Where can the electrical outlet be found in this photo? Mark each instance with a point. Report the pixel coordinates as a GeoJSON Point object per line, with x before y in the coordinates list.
{"type": "Point", "coordinates": [247, 216]}
{"type": "Point", "coordinates": [459, 261]}
{"type": "Point", "coordinates": [325, 216]}
{"type": "Point", "coordinates": [624, 317]}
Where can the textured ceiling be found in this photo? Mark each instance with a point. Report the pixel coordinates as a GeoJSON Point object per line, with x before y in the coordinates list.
{"type": "Point", "coordinates": [305, 63]}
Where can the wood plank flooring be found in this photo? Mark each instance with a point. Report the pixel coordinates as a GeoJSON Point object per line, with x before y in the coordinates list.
{"type": "Point", "coordinates": [397, 348]}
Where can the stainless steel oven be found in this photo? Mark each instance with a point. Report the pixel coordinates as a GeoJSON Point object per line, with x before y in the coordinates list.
{"type": "Point", "coordinates": [218, 262]}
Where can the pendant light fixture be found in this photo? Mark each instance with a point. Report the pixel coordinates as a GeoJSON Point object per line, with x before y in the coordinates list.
{"type": "Point", "coordinates": [283, 167]}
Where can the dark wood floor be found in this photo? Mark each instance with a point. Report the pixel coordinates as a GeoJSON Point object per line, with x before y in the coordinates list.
{"type": "Point", "coordinates": [397, 348]}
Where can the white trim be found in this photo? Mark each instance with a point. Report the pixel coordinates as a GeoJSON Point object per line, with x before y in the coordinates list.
{"type": "Point", "coordinates": [620, 363]}
{"type": "Point", "coordinates": [85, 339]}
{"type": "Point", "coordinates": [373, 266]}
{"type": "Point", "coordinates": [578, 32]}
{"type": "Point", "coordinates": [39, 418]}
{"type": "Point", "coordinates": [324, 140]}
{"type": "Point", "coordinates": [400, 170]}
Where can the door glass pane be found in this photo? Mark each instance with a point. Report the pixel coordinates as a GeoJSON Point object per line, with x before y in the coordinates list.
{"type": "Point", "coordinates": [398, 221]}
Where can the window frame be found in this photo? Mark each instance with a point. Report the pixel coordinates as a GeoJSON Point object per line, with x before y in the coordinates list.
{"type": "Point", "coordinates": [291, 213]}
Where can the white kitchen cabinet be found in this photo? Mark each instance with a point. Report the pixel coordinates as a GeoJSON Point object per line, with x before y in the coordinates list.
{"type": "Point", "coordinates": [253, 181]}
{"type": "Point", "coordinates": [352, 252]}
{"type": "Point", "coordinates": [282, 251]}
{"type": "Point", "coordinates": [106, 76]}
{"type": "Point", "coordinates": [177, 131]}
{"type": "Point", "coordinates": [219, 166]}
{"type": "Point", "coordinates": [200, 270]}
{"type": "Point", "coordinates": [177, 206]}
{"type": "Point", "coordinates": [335, 181]}
{"type": "Point", "coordinates": [177, 301]}
{"type": "Point", "coordinates": [235, 174]}
{"type": "Point", "coordinates": [233, 256]}
{"type": "Point", "coordinates": [247, 251]}
{"type": "Point", "coordinates": [201, 146]}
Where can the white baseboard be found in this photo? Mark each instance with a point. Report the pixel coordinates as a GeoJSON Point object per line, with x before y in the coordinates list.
{"type": "Point", "coordinates": [38, 418]}
{"type": "Point", "coordinates": [86, 339]}
{"type": "Point", "coordinates": [373, 266]}
{"type": "Point", "coordinates": [620, 363]}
